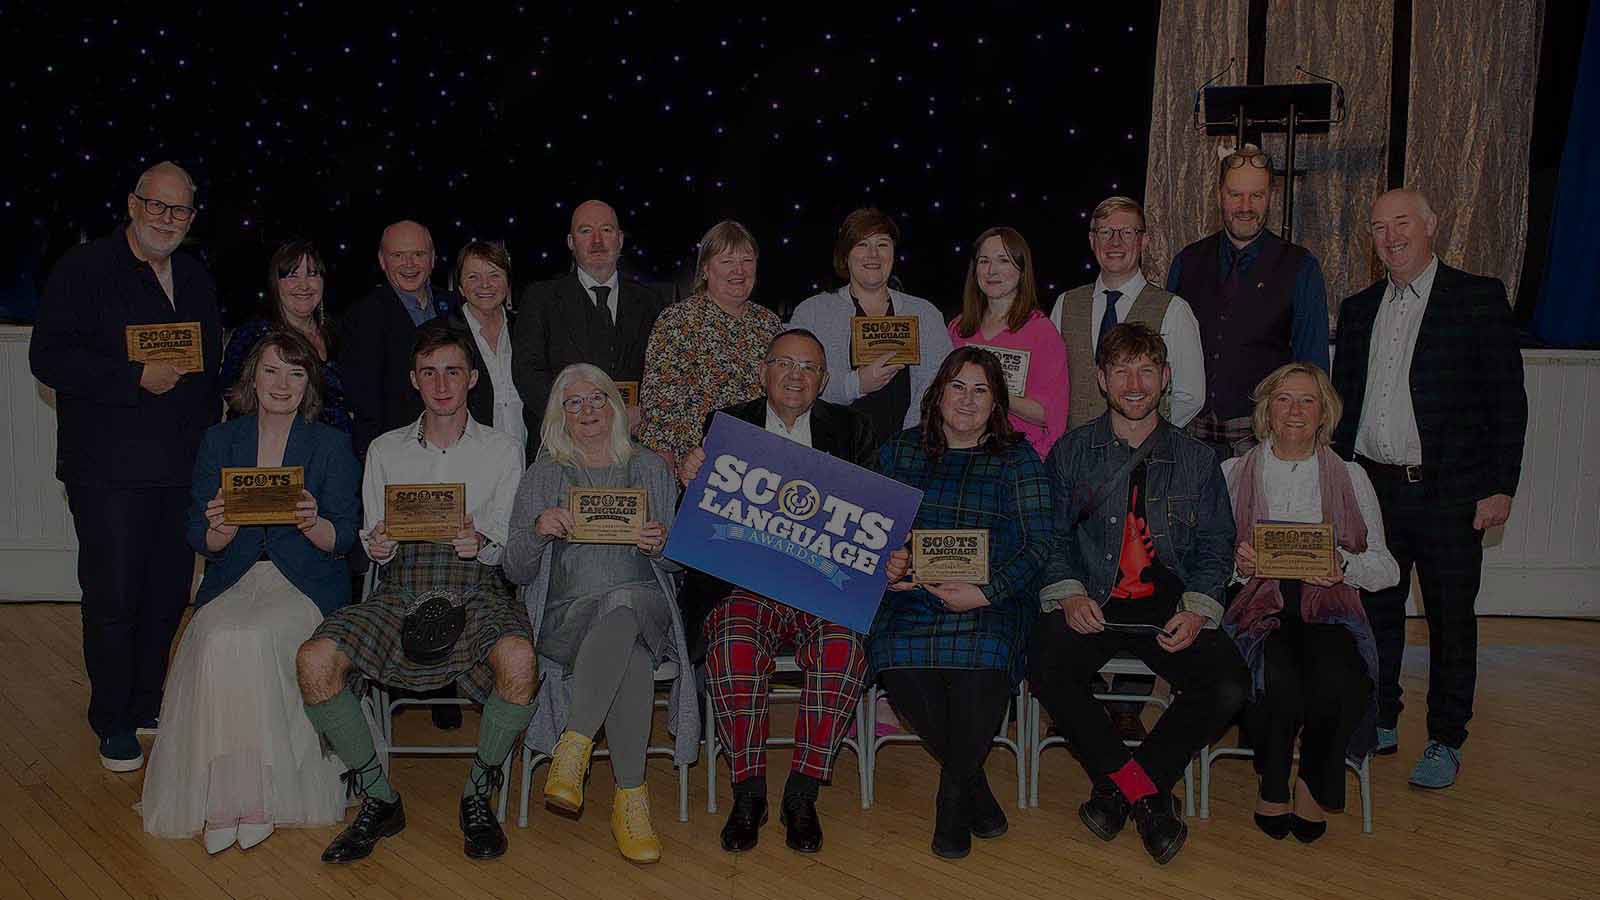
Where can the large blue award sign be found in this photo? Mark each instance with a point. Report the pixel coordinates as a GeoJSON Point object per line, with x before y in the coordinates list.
{"type": "Point", "coordinates": [792, 523]}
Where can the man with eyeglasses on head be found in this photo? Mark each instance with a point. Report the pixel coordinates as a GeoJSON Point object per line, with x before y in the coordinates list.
{"type": "Point", "coordinates": [745, 632]}
{"type": "Point", "coordinates": [1260, 301]}
{"type": "Point", "coordinates": [127, 435]}
{"type": "Point", "coordinates": [1120, 293]}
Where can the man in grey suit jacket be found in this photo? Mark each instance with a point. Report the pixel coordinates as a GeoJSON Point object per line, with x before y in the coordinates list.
{"type": "Point", "coordinates": [590, 315]}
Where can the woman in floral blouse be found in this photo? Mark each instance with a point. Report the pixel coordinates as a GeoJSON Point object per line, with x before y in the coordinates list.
{"type": "Point", "coordinates": [705, 352]}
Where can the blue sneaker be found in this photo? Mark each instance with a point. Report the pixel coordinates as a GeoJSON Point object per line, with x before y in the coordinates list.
{"type": "Point", "coordinates": [1437, 768]}
{"type": "Point", "coordinates": [1388, 742]}
{"type": "Point", "coordinates": [121, 753]}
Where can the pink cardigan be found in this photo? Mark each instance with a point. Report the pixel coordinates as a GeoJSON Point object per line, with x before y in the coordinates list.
{"type": "Point", "coordinates": [1047, 375]}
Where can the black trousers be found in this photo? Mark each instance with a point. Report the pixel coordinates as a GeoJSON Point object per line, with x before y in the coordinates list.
{"type": "Point", "coordinates": [1209, 676]}
{"type": "Point", "coordinates": [135, 569]}
{"type": "Point", "coordinates": [1448, 553]}
{"type": "Point", "coordinates": [956, 712]}
{"type": "Point", "coordinates": [1316, 689]}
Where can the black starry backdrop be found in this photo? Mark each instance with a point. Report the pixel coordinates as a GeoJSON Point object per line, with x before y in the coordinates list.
{"type": "Point", "coordinates": [493, 121]}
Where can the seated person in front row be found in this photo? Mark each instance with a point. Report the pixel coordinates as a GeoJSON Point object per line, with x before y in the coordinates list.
{"type": "Point", "coordinates": [1143, 535]}
{"type": "Point", "coordinates": [236, 755]}
{"type": "Point", "coordinates": [745, 632]}
{"type": "Point", "coordinates": [491, 660]}
{"type": "Point", "coordinates": [1312, 657]}
{"type": "Point", "coordinates": [606, 614]}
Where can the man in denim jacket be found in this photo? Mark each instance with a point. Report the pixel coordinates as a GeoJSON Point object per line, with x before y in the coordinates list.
{"type": "Point", "coordinates": [1140, 556]}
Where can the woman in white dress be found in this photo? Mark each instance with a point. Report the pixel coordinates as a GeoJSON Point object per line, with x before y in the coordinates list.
{"type": "Point", "coordinates": [236, 756]}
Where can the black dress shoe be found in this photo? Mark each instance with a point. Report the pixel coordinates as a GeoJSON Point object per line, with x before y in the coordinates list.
{"type": "Point", "coordinates": [1305, 831]}
{"type": "Point", "coordinates": [803, 828]}
{"type": "Point", "coordinates": [1160, 827]}
{"type": "Point", "coordinates": [446, 716]}
{"type": "Point", "coordinates": [375, 821]}
{"type": "Point", "coordinates": [988, 819]}
{"type": "Point", "coordinates": [952, 823]}
{"type": "Point", "coordinates": [1125, 721]}
{"type": "Point", "coordinates": [744, 822]}
{"type": "Point", "coordinates": [1275, 827]}
{"type": "Point", "coordinates": [483, 837]}
{"type": "Point", "coordinates": [1106, 811]}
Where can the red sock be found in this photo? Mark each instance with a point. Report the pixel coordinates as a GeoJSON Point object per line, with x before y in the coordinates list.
{"type": "Point", "coordinates": [1132, 781]}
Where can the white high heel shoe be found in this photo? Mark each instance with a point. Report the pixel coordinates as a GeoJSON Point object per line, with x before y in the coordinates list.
{"type": "Point", "coordinates": [220, 839]}
{"type": "Point", "coordinates": [253, 833]}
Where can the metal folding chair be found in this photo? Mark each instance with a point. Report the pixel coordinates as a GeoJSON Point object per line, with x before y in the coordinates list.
{"type": "Point", "coordinates": [1119, 665]}
{"type": "Point", "coordinates": [783, 664]}
{"type": "Point", "coordinates": [1210, 755]}
{"type": "Point", "coordinates": [1018, 745]}
{"type": "Point", "coordinates": [531, 759]}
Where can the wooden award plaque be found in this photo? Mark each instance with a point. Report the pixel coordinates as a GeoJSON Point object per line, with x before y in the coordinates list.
{"type": "Point", "coordinates": [1294, 550]}
{"type": "Point", "coordinates": [629, 391]}
{"type": "Point", "coordinates": [950, 554]}
{"type": "Point", "coordinates": [873, 336]}
{"type": "Point", "coordinates": [259, 495]}
{"type": "Point", "coordinates": [1015, 364]}
{"type": "Point", "coordinates": [176, 343]}
{"type": "Point", "coordinates": [606, 515]}
{"type": "Point", "coordinates": [424, 512]}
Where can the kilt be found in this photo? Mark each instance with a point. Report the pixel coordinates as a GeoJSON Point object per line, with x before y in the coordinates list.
{"type": "Point", "coordinates": [369, 632]}
{"type": "Point", "coordinates": [1229, 437]}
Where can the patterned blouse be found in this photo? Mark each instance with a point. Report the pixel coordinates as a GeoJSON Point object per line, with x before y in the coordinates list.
{"type": "Point", "coordinates": [245, 338]}
{"type": "Point", "coordinates": [699, 359]}
{"type": "Point", "coordinates": [1007, 493]}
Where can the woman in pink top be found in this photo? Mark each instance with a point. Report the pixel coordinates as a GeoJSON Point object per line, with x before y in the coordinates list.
{"type": "Point", "coordinates": [1000, 310]}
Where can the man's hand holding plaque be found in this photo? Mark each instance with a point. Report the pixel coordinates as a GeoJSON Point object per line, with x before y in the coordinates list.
{"type": "Point", "coordinates": [175, 344]}
{"type": "Point", "coordinates": [426, 512]}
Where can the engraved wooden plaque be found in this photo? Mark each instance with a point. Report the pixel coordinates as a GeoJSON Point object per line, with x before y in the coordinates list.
{"type": "Point", "coordinates": [259, 495]}
{"type": "Point", "coordinates": [1294, 550]}
{"type": "Point", "coordinates": [1015, 365]}
{"type": "Point", "coordinates": [424, 512]}
{"type": "Point", "coordinates": [606, 515]}
{"type": "Point", "coordinates": [873, 336]}
{"type": "Point", "coordinates": [629, 391]}
{"type": "Point", "coordinates": [176, 343]}
{"type": "Point", "coordinates": [950, 554]}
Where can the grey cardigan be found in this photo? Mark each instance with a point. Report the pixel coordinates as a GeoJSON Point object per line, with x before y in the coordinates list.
{"type": "Point", "coordinates": [827, 315]}
{"type": "Point", "coordinates": [526, 563]}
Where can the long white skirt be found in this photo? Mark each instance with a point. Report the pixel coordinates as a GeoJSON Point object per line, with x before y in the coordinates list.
{"type": "Point", "coordinates": [235, 746]}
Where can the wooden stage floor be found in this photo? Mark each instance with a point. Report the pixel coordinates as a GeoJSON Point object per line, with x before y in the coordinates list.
{"type": "Point", "coordinates": [1521, 822]}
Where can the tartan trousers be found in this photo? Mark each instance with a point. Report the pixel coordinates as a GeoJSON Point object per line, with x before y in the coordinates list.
{"type": "Point", "coordinates": [744, 635]}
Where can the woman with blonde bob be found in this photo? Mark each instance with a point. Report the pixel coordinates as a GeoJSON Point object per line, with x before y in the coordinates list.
{"type": "Point", "coordinates": [605, 614]}
{"type": "Point", "coordinates": [1313, 661]}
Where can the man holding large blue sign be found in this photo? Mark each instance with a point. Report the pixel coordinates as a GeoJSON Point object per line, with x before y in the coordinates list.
{"type": "Point", "coordinates": [779, 518]}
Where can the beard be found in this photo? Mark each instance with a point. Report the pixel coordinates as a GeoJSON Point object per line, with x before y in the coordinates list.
{"type": "Point", "coordinates": [1134, 411]}
{"type": "Point", "coordinates": [1243, 230]}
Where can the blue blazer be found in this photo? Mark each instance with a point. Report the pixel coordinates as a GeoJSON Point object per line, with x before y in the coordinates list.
{"type": "Point", "coordinates": [332, 476]}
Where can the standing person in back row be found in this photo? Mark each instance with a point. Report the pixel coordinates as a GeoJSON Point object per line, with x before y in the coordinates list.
{"type": "Point", "coordinates": [1260, 301]}
{"type": "Point", "coordinates": [127, 435]}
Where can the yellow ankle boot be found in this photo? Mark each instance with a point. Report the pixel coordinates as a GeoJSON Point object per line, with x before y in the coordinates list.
{"type": "Point", "coordinates": [630, 825]}
{"type": "Point", "coordinates": [569, 763]}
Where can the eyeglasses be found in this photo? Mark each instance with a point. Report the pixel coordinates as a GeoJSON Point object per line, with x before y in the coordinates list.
{"type": "Point", "coordinates": [575, 405]}
{"type": "Point", "coordinates": [1125, 234]}
{"type": "Point", "coordinates": [1240, 160]}
{"type": "Point", "coordinates": [156, 208]}
{"type": "Point", "coordinates": [789, 364]}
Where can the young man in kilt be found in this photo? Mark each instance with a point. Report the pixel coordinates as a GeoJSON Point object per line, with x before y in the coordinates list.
{"type": "Point", "coordinates": [491, 661]}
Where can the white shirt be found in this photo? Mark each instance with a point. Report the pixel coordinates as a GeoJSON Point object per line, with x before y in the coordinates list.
{"type": "Point", "coordinates": [1294, 494]}
{"type": "Point", "coordinates": [507, 402]}
{"type": "Point", "coordinates": [1388, 429]}
{"type": "Point", "coordinates": [1179, 329]}
{"type": "Point", "coordinates": [589, 284]}
{"type": "Point", "coordinates": [488, 461]}
{"type": "Point", "coordinates": [800, 433]}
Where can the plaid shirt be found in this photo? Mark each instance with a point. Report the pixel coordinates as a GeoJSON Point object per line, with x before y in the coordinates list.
{"type": "Point", "coordinates": [1007, 493]}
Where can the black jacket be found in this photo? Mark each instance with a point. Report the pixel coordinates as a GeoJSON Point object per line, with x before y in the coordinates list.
{"type": "Point", "coordinates": [1466, 384]}
{"type": "Point", "coordinates": [555, 329]}
{"type": "Point", "coordinates": [835, 430]}
{"type": "Point", "coordinates": [480, 400]}
{"type": "Point", "coordinates": [110, 431]}
{"type": "Point", "coordinates": [375, 341]}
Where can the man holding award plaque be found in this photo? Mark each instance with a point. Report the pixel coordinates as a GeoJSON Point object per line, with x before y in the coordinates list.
{"type": "Point", "coordinates": [1142, 550]}
{"type": "Point", "coordinates": [129, 337]}
{"type": "Point", "coordinates": [437, 501]}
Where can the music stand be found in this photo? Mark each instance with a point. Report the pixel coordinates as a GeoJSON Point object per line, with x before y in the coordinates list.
{"type": "Point", "coordinates": [1289, 109]}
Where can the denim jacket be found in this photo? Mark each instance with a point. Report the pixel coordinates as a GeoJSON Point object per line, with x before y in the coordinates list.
{"type": "Point", "coordinates": [1186, 504]}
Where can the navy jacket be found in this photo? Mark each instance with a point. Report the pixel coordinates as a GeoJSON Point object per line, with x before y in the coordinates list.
{"type": "Point", "coordinates": [332, 476]}
{"type": "Point", "coordinates": [1186, 505]}
{"type": "Point", "coordinates": [375, 342]}
{"type": "Point", "coordinates": [110, 431]}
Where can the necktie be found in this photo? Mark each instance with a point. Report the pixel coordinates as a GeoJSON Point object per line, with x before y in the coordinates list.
{"type": "Point", "coordinates": [1231, 283]}
{"type": "Point", "coordinates": [601, 292]}
{"type": "Point", "coordinates": [1108, 320]}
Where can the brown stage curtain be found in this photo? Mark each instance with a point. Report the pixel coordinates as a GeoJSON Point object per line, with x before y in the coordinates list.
{"type": "Point", "coordinates": [1473, 69]}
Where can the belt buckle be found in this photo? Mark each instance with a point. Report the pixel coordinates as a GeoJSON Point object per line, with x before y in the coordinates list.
{"type": "Point", "coordinates": [1413, 474]}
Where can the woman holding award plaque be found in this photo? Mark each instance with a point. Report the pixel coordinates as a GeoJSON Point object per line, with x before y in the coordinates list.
{"type": "Point", "coordinates": [275, 505]}
{"type": "Point", "coordinates": [1000, 312]}
{"type": "Point", "coordinates": [950, 652]}
{"type": "Point", "coordinates": [589, 523]}
{"type": "Point", "coordinates": [1312, 658]}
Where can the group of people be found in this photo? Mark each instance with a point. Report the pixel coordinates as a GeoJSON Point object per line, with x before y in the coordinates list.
{"type": "Point", "coordinates": [1119, 483]}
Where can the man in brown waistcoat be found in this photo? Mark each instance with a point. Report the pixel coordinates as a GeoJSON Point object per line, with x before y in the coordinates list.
{"type": "Point", "coordinates": [1121, 294]}
{"type": "Point", "coordinates": [1260, 301]}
